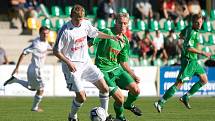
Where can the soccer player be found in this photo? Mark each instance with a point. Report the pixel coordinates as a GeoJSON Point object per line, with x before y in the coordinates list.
{"type": "Point", "coordinates": [111, 59]}
{"type": "Point", "coordinates": [189, 64]}
{"type": "Point", "coordinates": [38, 48]}
{"type": "Point", "coordinates": [72, 49]}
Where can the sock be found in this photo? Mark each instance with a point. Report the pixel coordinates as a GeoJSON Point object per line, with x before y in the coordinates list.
{"type": "Point", "coordinates": [119, 109]}
{"type": "Point", "coordinates": [104, 100]}
{"type": "Point", "coordinates": [168, 94]}
{"type": "Point", "coordinates": [36, 102]}
{"type": "Point", "coordinates": [23, 83]}
{"type": "Point", "coordinates": [74, 109]}
{"type": "Point", "coordinates": [194, 88]}
{"type": "Point", "coordinates": [130, 99]}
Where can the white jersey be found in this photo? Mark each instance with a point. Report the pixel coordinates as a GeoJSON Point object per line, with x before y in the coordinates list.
{"type": "Point", "coordinates": [39, 51]}
{"type": "Point", "coordinates": [72, 41]}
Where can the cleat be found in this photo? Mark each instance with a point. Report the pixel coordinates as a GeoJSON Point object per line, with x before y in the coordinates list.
{"type": "Point", "coordinates": [9, 81]}
{"type": "Point", "coordinates": [135, 110]}
{"type": "Point", "coordinates": [158, 107]}
{"type": "Point", "coordinates": [37, 110]}
{"type": "Point", "coordinates": [185, 101]}
{"type": "Point", "coordinates": [110, 118]}
{"type": "Point", "coordinates": [70, 119]}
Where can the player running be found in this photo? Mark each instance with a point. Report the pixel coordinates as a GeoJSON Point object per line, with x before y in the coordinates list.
{"type": "Point", "coordinates": [38, 48]}
{"type": "Point", "coordinates": [189, 65]}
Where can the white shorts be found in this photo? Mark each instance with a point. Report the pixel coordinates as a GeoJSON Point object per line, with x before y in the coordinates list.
{"type": "Point", "coordinates": [85, 71]}
{"type": "Point", "coordinates": [34, 78]}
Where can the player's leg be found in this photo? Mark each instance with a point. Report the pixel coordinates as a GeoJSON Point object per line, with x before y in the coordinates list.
{"type": "Point", "coordinates": [103, 93]}
{"type": "Point", "coordinates": [35, 83]}
{"type": "Point", "coordinates": [125, 81]}
{"type": "Point", "coordinates": [74, 83]}
{"type": "Point", "coordinates": [37, 99]}
{"type": "Point", "coordinates": [186, 72]}
{"type": "Point", "coordinates": [13, 79]}
{"type": "Point", "coordinates": [168, 94]}
{"type": "Point", "coordinates": [95, 76]}
{"type": "Point", "coordinates": [118, 104]}
{"type": "Point", "coordinates": [203, 80]}
{"type": "Point", "coordinates": [76, 105]}
{"type": "Point", "coordinates": [116, 93]}
{"type": "Point", "coordinates": [133, 95]}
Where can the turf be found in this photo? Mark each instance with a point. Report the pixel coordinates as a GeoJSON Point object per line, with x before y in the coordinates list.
{"type": "Point", "coordinates": [57, 108]}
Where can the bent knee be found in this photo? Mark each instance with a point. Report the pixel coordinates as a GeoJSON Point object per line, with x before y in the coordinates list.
{"type": "Point", "coordinates": [134, 89]}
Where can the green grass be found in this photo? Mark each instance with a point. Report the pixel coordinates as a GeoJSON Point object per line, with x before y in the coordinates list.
{"type": "Point", "coordinates": [57, 108]}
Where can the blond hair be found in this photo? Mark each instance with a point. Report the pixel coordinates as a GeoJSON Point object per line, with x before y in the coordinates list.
{"type": "Point", "coordinates": [77, 11]}
{"type": "Point", "coordinates": [119, 16]}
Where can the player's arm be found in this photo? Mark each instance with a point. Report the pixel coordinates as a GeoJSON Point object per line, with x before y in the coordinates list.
{"type": "Point", "coordinates": [127, 68]}
{"type": "Point", "coordinates": [63, 58]}
{"type": "Point", "coordinates": [18, 63]}
{"type": "Point", "coordinates": [57, 52]}
{"type": "Point", "coordinates": [194, 50]}
{"type": "Point", "coordinates": [102, 36]}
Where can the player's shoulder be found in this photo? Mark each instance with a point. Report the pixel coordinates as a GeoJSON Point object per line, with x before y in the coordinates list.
{"type": "Point", "coordinates": [86, 21]}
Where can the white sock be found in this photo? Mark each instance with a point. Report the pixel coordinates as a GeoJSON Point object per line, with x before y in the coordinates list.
{"type": "Point", "coordinates": [36, 102]}
{"type": "Point", "coordinates": [74, 109]}
{"type": "Point", "coordinates": [104, 100]}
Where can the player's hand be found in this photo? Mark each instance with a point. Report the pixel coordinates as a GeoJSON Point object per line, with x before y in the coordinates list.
{"type": "Point", "coordinates": [137, 79]}
{"type": "Point", "coordinates": [118, 38]}
{"type": "Point", "coordinates": [72, 67]}
{"type": "Point", "coordinates": [207, 54]}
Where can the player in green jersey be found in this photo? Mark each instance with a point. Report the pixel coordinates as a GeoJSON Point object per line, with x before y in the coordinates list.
{"type": "Point", "coordinates": [111, 59]}
{"type": "Point", "coordinates": [189, 64]}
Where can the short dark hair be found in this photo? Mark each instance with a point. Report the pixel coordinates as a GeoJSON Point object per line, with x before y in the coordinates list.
{"type": "Point", "coordinates": [43, 28]}
{"type": "Point", "coordinates": [195, 17]}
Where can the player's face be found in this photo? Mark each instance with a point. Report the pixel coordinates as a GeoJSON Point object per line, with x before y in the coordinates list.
{"type": "Point", "coordinates": [122, 25]}
{"type": "Point", "coordinates": [198, 24]}
{"type": "Point", "coordinates": [44, 34]}
{"type": "Point", "coordinates": [77, 21]}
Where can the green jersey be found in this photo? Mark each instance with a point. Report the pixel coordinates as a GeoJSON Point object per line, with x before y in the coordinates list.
{"type": "Point", "coordinates": [110, 52]}
{"type": "Point", "coordinates": [191, 40]}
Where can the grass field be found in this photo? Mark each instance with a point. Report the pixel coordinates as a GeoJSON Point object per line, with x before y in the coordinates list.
{"type": "Point", "coordinates": [57, 108]}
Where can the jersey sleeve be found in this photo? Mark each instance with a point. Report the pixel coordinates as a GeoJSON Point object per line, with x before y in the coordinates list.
{"type": "Point", "coordinates": [192, 40]}
{"type": "Point", "coordinates": [29, 49]}
{"type": "Point", "coordinates": [96, 40]}
{"type": "Point", "coordinates": [61, 39]}
{"type": "Point", "coordinates": [92, 31]}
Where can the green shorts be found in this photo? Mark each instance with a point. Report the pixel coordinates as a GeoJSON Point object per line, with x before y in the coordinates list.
{"type": "Point", "coordinates": [188, 69]}
{"type": "Point", "coordinates": [117, 78]}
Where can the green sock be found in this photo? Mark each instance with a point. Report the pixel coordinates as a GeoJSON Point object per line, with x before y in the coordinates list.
{"type": "Point", "coordinates": [168, 94]}
{"type": "Point", "coordinates": [194, 88]}
{"type": "Point", "coordinates": [119, 109]}
{"type": "Point", "coordinates": [130, 99]}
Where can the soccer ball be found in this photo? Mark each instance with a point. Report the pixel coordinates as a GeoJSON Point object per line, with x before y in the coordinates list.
{"type": "Point", "coordinates": [97, 114]}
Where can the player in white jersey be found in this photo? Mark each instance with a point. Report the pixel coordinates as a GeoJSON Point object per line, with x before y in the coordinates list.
{"type": "Point", "coordinates": [72, 49]}
{"type": "Point", "coordinates": [38, 48]}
